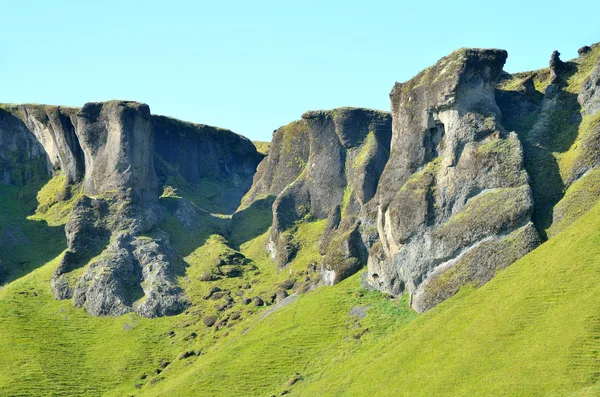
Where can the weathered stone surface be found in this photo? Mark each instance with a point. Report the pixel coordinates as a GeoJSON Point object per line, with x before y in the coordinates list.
{"type": "Point", "coordinates": [54, 128]}
{"type": "Point", "coordinates": [475, 266]}
{"type": "Point", "coordinates": [556, 67]}
{"type": "Point", "coordinates": [335, 162]}
{"type": "Point", "coordinates": [22, 157]}
{"type": "Point", "coordinates": [118, 142]}
{"type": "Point", "coordinates": [133, 271]}
{"type": "Point", "coordinates": [584, 50]}
{"type": "Point", "coordinates": [287, 158]}
{"type": "Point", "coordinates": [455, 179]}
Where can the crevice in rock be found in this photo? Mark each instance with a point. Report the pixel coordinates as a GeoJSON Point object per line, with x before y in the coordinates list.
{"type": "Point", "coordinates": [432, 137]}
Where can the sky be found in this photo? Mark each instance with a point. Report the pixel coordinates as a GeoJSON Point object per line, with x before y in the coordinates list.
{"type": "Point", "coordinates": [252, 66]}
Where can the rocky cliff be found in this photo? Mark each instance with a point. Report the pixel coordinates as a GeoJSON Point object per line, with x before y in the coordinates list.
{"type": "Point", "coordinates": [473, 168]}
{"type": "Point", "coordinates": [453, 204]}
{"type": "Point", "coordinates": [325, 165]}
{"type": "Point", "coordinates": [122, 157]}
{"type": "Point", "coordinates": [446, 198]}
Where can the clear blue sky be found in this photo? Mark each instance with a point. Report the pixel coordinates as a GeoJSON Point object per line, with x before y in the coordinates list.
{"type": "Point", "coordinates": [252, 66]}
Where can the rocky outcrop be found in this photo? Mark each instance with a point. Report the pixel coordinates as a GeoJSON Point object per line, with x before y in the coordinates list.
{"type": "Point", "coordinates": [54, 128]}
{"type": "Point", "coordinates": [113, 229]}
{"type": "Point", "coordinates": [112, 149]}
{"type": "Point", "coordinates": [118, 144]}
{"type": "Point", "coordinates": [454, 190]}
{"type": "Point", "coordinates": [558, 126]}
{"type": "Point", "coordinates": [325, 164]}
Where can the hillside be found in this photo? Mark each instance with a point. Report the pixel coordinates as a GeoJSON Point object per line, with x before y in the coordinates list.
{"type": "Point", "coordinates": [448, 247]}
{"type": "Point", "coordinates": [532, 330]}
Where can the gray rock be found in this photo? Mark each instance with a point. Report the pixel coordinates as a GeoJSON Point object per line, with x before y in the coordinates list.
{"type": "Point", "coordinates": [359, 312]}
{"type": "Point", "coordinates": [454, 182]}
{"type": "Point", "coordinates": [186, 213]}
{"type": "Point", "coordinates": [287, 159]}
{"type": "Point", "coordinates": [23, 158]}
{"type": "Point", "coordinates": [209, 321]}
{"type": "Point", "coordinates": [118, 141]}
{"type": "Point", "coordinates": [121, 153]}
{"type": "Point", "coordinates": [281, 295]}
{"type": "Point", "coordinates": [584, 50]}
{"type": "Point", "coordinates": [288, 284]}
{"type": "Point", "coordinates": [556, 67]}
{"type": "Point", "coordinates": [327, 159]}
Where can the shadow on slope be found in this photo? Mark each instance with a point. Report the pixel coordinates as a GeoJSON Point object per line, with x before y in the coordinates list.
{"type": "Point", "coordinates": [251, 222]}
{"type": "Point", "coordinates": [25, 244]}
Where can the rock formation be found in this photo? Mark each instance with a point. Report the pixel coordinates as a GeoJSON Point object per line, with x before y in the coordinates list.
{"type": "Point", "coordinates": [453, 204]}
{"type": "Point", "coordinates": [111, 148]}
{"type": "Point", "coordinates": [325, 165]}
{"type": "Point", "coordinates": [472, 169]}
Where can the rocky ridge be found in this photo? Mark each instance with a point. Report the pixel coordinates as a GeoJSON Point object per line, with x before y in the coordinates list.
{"type": "Point", "coordinates": [472, 169]}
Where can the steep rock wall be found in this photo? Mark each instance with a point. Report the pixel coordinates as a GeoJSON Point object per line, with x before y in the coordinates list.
{"type": "Point", "coordinates": [111, 149]}
{"type": "Point", "coordinates": [325, 165]}
{"type": "Point", "coordinates": [454, 189]}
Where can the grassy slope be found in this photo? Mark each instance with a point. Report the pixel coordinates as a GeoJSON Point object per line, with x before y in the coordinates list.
{"type": "Point", "coordinates": [532, 331]}
{"type": "Point", "coordinates": [262, 147]}
{"type": "Point", "coordinates": [304, 337]}
{"type": "Point", "coordinates": [48, 347]}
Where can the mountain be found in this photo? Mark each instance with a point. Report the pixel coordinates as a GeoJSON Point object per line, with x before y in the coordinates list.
{"type": "Point", "coordinates": [445, 247]}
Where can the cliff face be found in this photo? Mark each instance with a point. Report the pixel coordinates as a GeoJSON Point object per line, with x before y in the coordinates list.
{"type": "Point", "coordinates": [112, 150]}
{"type": "Point", "coordinates": [287, 158]}
{"type": "Point", "coordinates": [22, 156]}
{"type": "Point", "coordinates": [325, 165]}
{"type": "Point", "coordinates": [118, 144]}
{"type": "Point", "coordinates": [453, 204]}
{"type": "Point", "coordinates": [439, 199]}
{"type": "Point", "coordinates": [199, 153]}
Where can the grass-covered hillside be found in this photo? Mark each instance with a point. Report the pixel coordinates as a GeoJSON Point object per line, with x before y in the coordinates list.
{"type": "Point", "coordinates": [533, 330]}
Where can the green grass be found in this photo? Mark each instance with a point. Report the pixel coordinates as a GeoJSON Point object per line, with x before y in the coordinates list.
{"type": "Point", "coordinates": [578, 199]}
{"type": "Point", "coordinates": [262, 147]}
{"type": "Point", "coordinates": [25, 243]}
{"type": "Point", "coordinates": [55, 201]}
{"type": "Point", "coordinates": [48, 347]}
{"type": "Point", "coordinates": [531, 331]}
{"type": "Point", "coordinates": [304, 337]}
